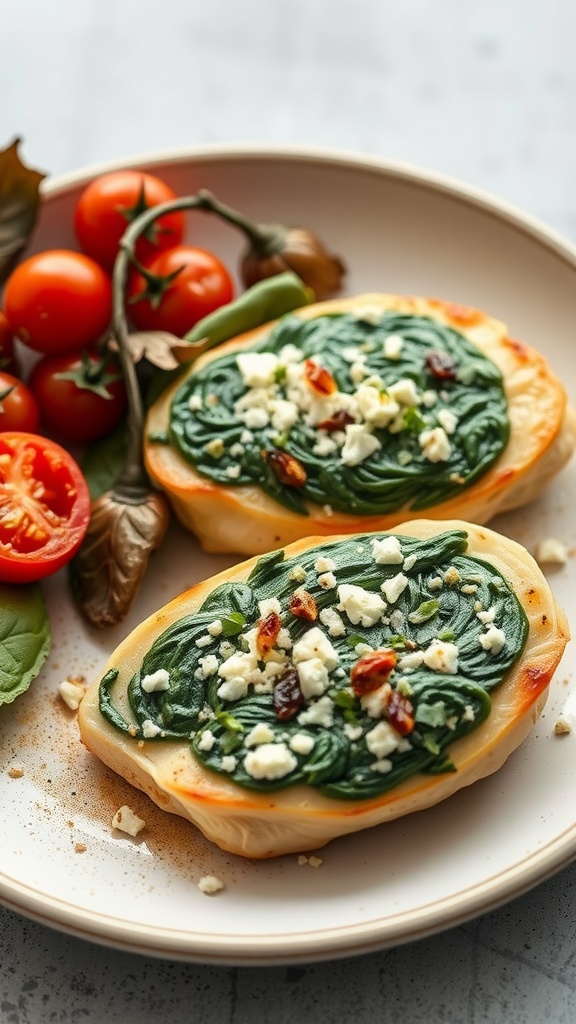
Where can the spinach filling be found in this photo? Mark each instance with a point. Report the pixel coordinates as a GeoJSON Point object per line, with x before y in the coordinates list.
{"type": "Point", "coordinates": [451, 377]}
{"type": "Point", "coordinates": [450, 601]}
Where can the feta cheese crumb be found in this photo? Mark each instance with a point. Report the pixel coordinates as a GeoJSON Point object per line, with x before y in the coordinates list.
{"type": "Point", "coordinates": [315, 644]}
{"type": "Point", "coordinates": [215, 628]}
{"type": "Point", "coordinates": [324, 564]}
{"type": "Point", "coordinates": [125, 820]}
{"type": "Point", "coordinates": [207, 740]}
{"type": "Point", "coordinates": [208, 665]}
{"type": "Point", "coordinates": [330, 618]}
{"type": "Point", "coordinates": [270, 761]}
{"type": "Point", "coordinates": [359, 445]}
{"type": "Point", "coordinates": [228, 763]}
{"type": "Point", "coordinates": [492, 640]}
{"type": "Point", "coordinates": [448, 420]}
{"type": "Point", "coordinates": [302, 743]}
{"type": "Point", "coordinates": [313, 677]}
{"type": "Point", "coordinates": [210, 884]}
{"type": "Point", "coordinates": [552, 551]}
{"type": "Point", "coordinates": [150, 729]}
{"type": "Point", "coordinates": [71, 692]}
{"type": "Point", "coordinates": [387, 551]}
{"type": "Point", "coordinates": [361, 606]}
{"type": "Point", "coordinates": [435, 444]}
{"type": "Point", "coordinates": [442, 657]}
{"type": "Point", "coordinates": [156, 681]}
{"type": "Point", "coordinates": [260, 733]}
{"type": "Point", "coordinates": [320, 712]}
{"type": "Point", "coordinates": [393, 588]}
{"type": "Point", "coordinates": [393, 346]}
{"type": "Point", "coordinates": [327, 580]}
{"type": "Point", "coordinates": [382, 740]}
{"type": "Point", "coordinates": [215, 448]}
{"type": "Point", "coordinates": [297, 574]}
{"type": "Point", "coordinates": [257, 369]}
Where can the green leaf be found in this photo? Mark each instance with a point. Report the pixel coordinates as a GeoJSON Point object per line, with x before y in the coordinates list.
{"type": "Point", "coordinates": [232, 623]}
{"type": "Point", "coordinates": [19, 205]}
{"type": "Point", "coordinates": [425, 611]}
{"type": "Point", "coordinates": [25, 638]}
{"type": "Point", "coordinates": [104, 460]}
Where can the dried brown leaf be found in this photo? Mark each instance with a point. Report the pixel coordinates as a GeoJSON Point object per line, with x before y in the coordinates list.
{"type": "Point", "coordinates": [19, 204]}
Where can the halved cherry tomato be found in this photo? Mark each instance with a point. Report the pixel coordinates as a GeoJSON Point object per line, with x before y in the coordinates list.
{"type": "Point", "coordinates": [108, 205]}
{"type": "Point", "coordinates": [201, 284]}
{"type": "Point", "coordinates": [81, 397]}
{"type": "Point", "coordinates": [44, 507]}
{"type": "Point", "coordinates": [18, 407]}
{"type": "Point", "coordinates": [58, 301]}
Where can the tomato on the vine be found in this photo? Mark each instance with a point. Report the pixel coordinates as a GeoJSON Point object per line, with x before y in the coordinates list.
{"type": "Point", "coordinates": [58, 301]}
{"type": "Point", "coordinates": [182, 286]}
{"type": "Point", "coordinates": [81, 397]}
{"type": "Point", "coordinates": [108, 205]}
{"type": "Point", "coordinates": [18, 407]}
{"type": "Point", "coordinates": [44, 507]}
{"type": "Point", "coordinates": [8, 360]}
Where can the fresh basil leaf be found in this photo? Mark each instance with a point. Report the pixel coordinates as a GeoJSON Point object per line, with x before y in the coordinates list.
{"type": "Point", "coordinates": [25, 638]}
{"type": "Point", "coordinates": [19, 204]}
{"type": "Point", "coordinates": [104, 460]}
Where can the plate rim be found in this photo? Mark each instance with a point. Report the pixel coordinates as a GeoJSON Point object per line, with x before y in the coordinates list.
{"type": "Point", "coordinates": [380, 933]}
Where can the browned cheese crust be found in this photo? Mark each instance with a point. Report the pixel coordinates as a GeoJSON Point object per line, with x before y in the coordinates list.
{"type": "Point", "coordinates": [299, 818]}
{"type": "Point", "coordinates": [244, 519]}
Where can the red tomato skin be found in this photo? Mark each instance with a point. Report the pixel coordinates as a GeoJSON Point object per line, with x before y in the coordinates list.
{"type": "Point", "coordinates": [29, 464]}
{"type": "Point", "coordinates": [74, 413]}
{"type": "Point", "coordinates": [99, 221]}
{"type": "Point", "coordinates": [58, 301]}
{"type": "Point", "coordinates": [19, 410]}
{"type": "Point", "coordinates": [203, 285]}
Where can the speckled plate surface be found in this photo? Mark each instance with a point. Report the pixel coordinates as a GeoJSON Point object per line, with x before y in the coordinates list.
{"type": "Point", "coordinates": [61, 863]}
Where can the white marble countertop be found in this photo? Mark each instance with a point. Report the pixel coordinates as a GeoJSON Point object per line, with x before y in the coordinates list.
{"type": "Point", "coordinates": [482, 92]}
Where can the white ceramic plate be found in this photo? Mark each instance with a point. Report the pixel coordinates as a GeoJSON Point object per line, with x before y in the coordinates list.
{"type": "Point", "coordinates": [399, 230]}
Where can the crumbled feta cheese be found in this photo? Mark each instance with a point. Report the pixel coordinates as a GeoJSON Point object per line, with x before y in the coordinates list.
{"type": "Point", "coordinates": [492, 640]}
{"type": "Point", "coordinates": [376, 406]}
{"type": "Point", "coordinates": [195, 403]}
{"type": "Point", "coordinates": [330, 618]}
{"type": "Point", "coordinates": [215, 448]}
{"type": "Point", "coordinates": [246, 437]}
{"type": "Point", "coordinates": [404, 457]}
{"type": "Point", "coordinates": [297, 574]}
{"type": "Point", "coordinates": [361, 606]}
{"type": "Point", "coordinates": [393, 346]}
{"type": "Point", "coordinates": [359, 445]}
{"type": "Point", "coordinates": [209, 884]}
{"type": "Point", "coordinates": [269, 606]}
{"type": "Point", "coordinates": [283, 414]}
{"type": "Point", "coordinates": [214, 628]}
{"type": "Point", "coordinates": [327, 580]}
{"type": "Point", "coordinates": [207, 740]}
{"type": "Point", "coordinates": [486, 617]}
{"type": "Point", "coordinates": [204, 641]}
{"type": "Point", "coordinates": [357, 372]}
{"type": "Point", "coordinates": [313, 677]}
{"type": "Point", "coordinates": [125, 820]}
{"type": "Point", "coordinates": [229, 763]}
{"type": "Point", "coordinates": [315, 644]}
{"type": "Point", "coordinates": [411, 661]}
{"type": "Point", "coordinates": [255, 418]}
{"type": "Point", "coordinates": [375, 702]}
{"type": "Point", "coordinates": [435, 445]}
{"type": "Point", "coordinates": [442, 657]}
{"type": "Point", "coordinates": [208, 665]}
{"type": "Point", "coordinates": [270, 761]}
{"type": "Point", "coordinates": [324, 445]}
{"type": "Point", "coordinates": [436, 583]}
{"type": "Point", "coordinates": [71, 693]}
{"type": "Point", "coordinates": [452, 575]}
{"type": "Point", "coordinates": [233, 472]}
{"type": "Point", "coordinates": [352, 732]}
{"type": "Point", "coordinates": [553, 551]}
{"type": "Point", "coordinates": [382, 739]}
{"type": "Point", "coordinates": [159, 680]}
{"type": "Point", "coordinates": [384, 765]}
{"type": "Point", "coordinates": [448, 420]}
{"type": "Point", "coordinates": [257, 369]}
{"type": "Point", "coordinates": [302, 743]}
{"type": "Point", "coordinates": [404, 392]}
{"type": "Point", "coordinates": [150, 729]}
{"type": "Point", "coordinates": [429, 398]}
{"type": "Point", "coordinates": [387, 551]}
{"type": "Point", "coordinates": [320, 712]}
{"type": "Point", "coordinates": [324, 564]}
{"type": "Point", "coordinates": [393, 588]}
{"type": "Point", "coordinates": [260, 733]}
{"type": "Point", "coordinates": [409, 562]}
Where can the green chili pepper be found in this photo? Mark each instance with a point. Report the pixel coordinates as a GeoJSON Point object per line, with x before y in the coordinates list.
{"type": "Point", "coordinates": [264, 301]}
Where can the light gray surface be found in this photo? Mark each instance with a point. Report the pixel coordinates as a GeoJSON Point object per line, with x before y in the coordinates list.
{"type": "Point", "coordinates": [483, 92]}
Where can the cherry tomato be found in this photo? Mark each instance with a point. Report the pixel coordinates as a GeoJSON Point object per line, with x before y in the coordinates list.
{"type": "Point", "coordinates": [58, 301]}
{"type": "Point", "coordinates": [81, 397]}
{"type": "Point", "coordinates": [201, 286]}
{"type": "Point", "coordinates": [44, 507]}
{"type": "Point", "coordinates": [8, 360]}
{"type": "Point", "coordinates": [109, 204]}
{"type": "Point", "coordinates": [18, 407]}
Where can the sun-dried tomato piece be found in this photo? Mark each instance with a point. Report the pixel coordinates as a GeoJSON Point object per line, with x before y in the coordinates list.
{"type": "Point", "coordinates": [400, 713]}
{"type": "Point", "coordinates": [319, 379]}
{"type": "Point", "coordinates": [339, 421]}
{"type": "Point", "coordinates": [303, 605]}
{"type": "Point", "coordinates": [372, 670]}
{"type": "Point", "coordinates": [285, 467]}
{"type": "Point", "coordinates": [287, 695]}
{"type": "Point", "coordinates": [441, 365]}
{"type": "Point", "coordinates": [267, 633]}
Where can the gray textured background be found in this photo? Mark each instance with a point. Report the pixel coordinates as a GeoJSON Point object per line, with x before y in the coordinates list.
{"type": "Point", "coordinates": [485, 92]}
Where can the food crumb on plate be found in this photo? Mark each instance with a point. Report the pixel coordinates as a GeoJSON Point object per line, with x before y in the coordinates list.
{"type": "Point", "coordinates": [313, 862]}
{"type": "Point", "coordinates": [80, 848]}
{"type": "Point", "coordinates": [71, 692]}
{"type": "Point", "coordinates": [15, 773]}
{"type": "Point", "coordinates": [210, 884]}
{"type": "Point", "coordinates": [562, 727]}
{"type": "Point", "coordinates": [125, 820]}
{"type": "Point", "coordinates": [551, 551]}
